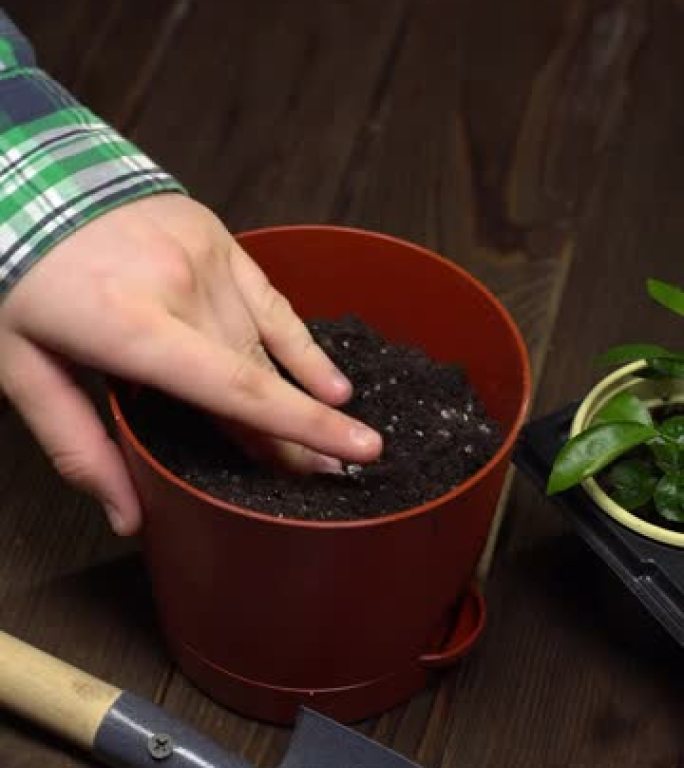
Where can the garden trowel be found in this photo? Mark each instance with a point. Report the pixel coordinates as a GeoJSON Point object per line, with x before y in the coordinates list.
{"type": "Point", "coordinates": [123, 730]}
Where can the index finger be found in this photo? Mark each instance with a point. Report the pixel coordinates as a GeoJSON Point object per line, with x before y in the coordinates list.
{"type": "Point", "coordinates": [181, 362]}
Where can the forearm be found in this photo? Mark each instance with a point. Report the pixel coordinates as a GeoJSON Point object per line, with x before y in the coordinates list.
{"type": "Point", "coordinates": [60, 165]}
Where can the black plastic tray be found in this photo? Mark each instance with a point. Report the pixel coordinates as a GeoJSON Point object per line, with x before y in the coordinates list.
{"type": "Point", "coordinates": [653, 572]}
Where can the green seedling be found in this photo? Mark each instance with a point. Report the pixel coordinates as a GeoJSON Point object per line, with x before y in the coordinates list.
{"type": "Point", "coordinates": [625, 423]}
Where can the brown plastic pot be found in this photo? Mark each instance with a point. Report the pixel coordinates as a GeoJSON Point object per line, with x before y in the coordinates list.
{"type": "Point", "coordinates": [267, 614]}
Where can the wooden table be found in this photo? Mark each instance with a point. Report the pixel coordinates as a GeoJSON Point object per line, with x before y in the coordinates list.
{"type": "Point", "coordinates": [540, 144]}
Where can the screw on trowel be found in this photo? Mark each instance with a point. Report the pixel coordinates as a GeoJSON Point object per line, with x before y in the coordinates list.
{"type": "Point", "coordinates": [160, 746]}
{"type": "Point", "coordinates": [132, 731]}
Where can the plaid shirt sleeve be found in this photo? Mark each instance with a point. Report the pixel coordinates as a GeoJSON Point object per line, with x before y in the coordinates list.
{"type": "Point", "coordinates": [60, 165]}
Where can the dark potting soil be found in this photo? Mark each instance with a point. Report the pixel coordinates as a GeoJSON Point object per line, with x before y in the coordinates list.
{"type": "Point", "coordinates": [435, 429]}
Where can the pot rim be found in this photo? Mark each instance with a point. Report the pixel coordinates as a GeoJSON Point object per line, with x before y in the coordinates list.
{"type": "Point", "coordinates": [454, 493]}
{"type": "Point", "coordinates": [609, 506]}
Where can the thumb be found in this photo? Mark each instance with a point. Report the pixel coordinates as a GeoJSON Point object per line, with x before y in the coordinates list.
{"type": "Point", "coordinates": [69, 430]}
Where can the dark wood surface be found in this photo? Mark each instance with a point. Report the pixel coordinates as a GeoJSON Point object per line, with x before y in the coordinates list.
{"type": "Point", "coordinates": [537, 143]}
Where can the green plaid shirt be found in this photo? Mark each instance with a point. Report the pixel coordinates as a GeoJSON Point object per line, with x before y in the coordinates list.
{"type": "Point", "coordinates": [60, 165]}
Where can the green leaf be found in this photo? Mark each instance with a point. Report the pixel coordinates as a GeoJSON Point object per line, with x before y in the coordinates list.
{"type": "Point", "coordinates": [669, 497]}
{"type": "Point", "coordinates": [664, 368]}
{"type": "Point", "coordinates": [673, 429]}
{"type": "Point", "coordinates": [632, 483]}
{"type": "Point", "coordinates": [592, 450]}
{"type": "Point", "coordinates": [630, 353]}
{"type": "Point", "coordinates": [670, 296]}
{"type": "Point", "coordinates": [667, 454]}
{"type": "Point", "coordinates": [625, 406]}
{"type": "Point", "coordinates": [668, 448]}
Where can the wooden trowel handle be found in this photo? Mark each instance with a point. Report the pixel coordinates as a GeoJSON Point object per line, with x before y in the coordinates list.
{"type": "Point", "coordinates": [117, 727]}
{"type": "Point", "coordinates": [51, 693]}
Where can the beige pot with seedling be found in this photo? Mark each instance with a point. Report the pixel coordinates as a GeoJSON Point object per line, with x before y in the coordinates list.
{"type": "Point", "coordinates": [626, 444]}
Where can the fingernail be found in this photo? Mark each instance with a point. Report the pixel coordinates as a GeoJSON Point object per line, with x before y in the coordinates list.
{"type": "Point", "coordinates": [115, 518]}
{"type": "Point", "coordinates": [341, 383]}
{"type": "Point", "coordinates": [326, 465]}
{"type": "Point", "coordinates": [363, 437]}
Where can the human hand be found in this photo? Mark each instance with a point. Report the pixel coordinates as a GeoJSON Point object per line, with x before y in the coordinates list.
{"type": "Point", "coordinates": [158, 292]}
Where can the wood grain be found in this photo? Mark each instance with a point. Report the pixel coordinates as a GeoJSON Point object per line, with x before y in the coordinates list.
{"type": "Point", "coordinates": [107, 53]}
{"type": "Point", "coordinates": [68, 587]}
{"type": "Point", "coordinates": [275, 102]}
{"type": "Point", "coordinates": [536, 143]}
{"type": "Point", "coordinates": [572, 671]}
